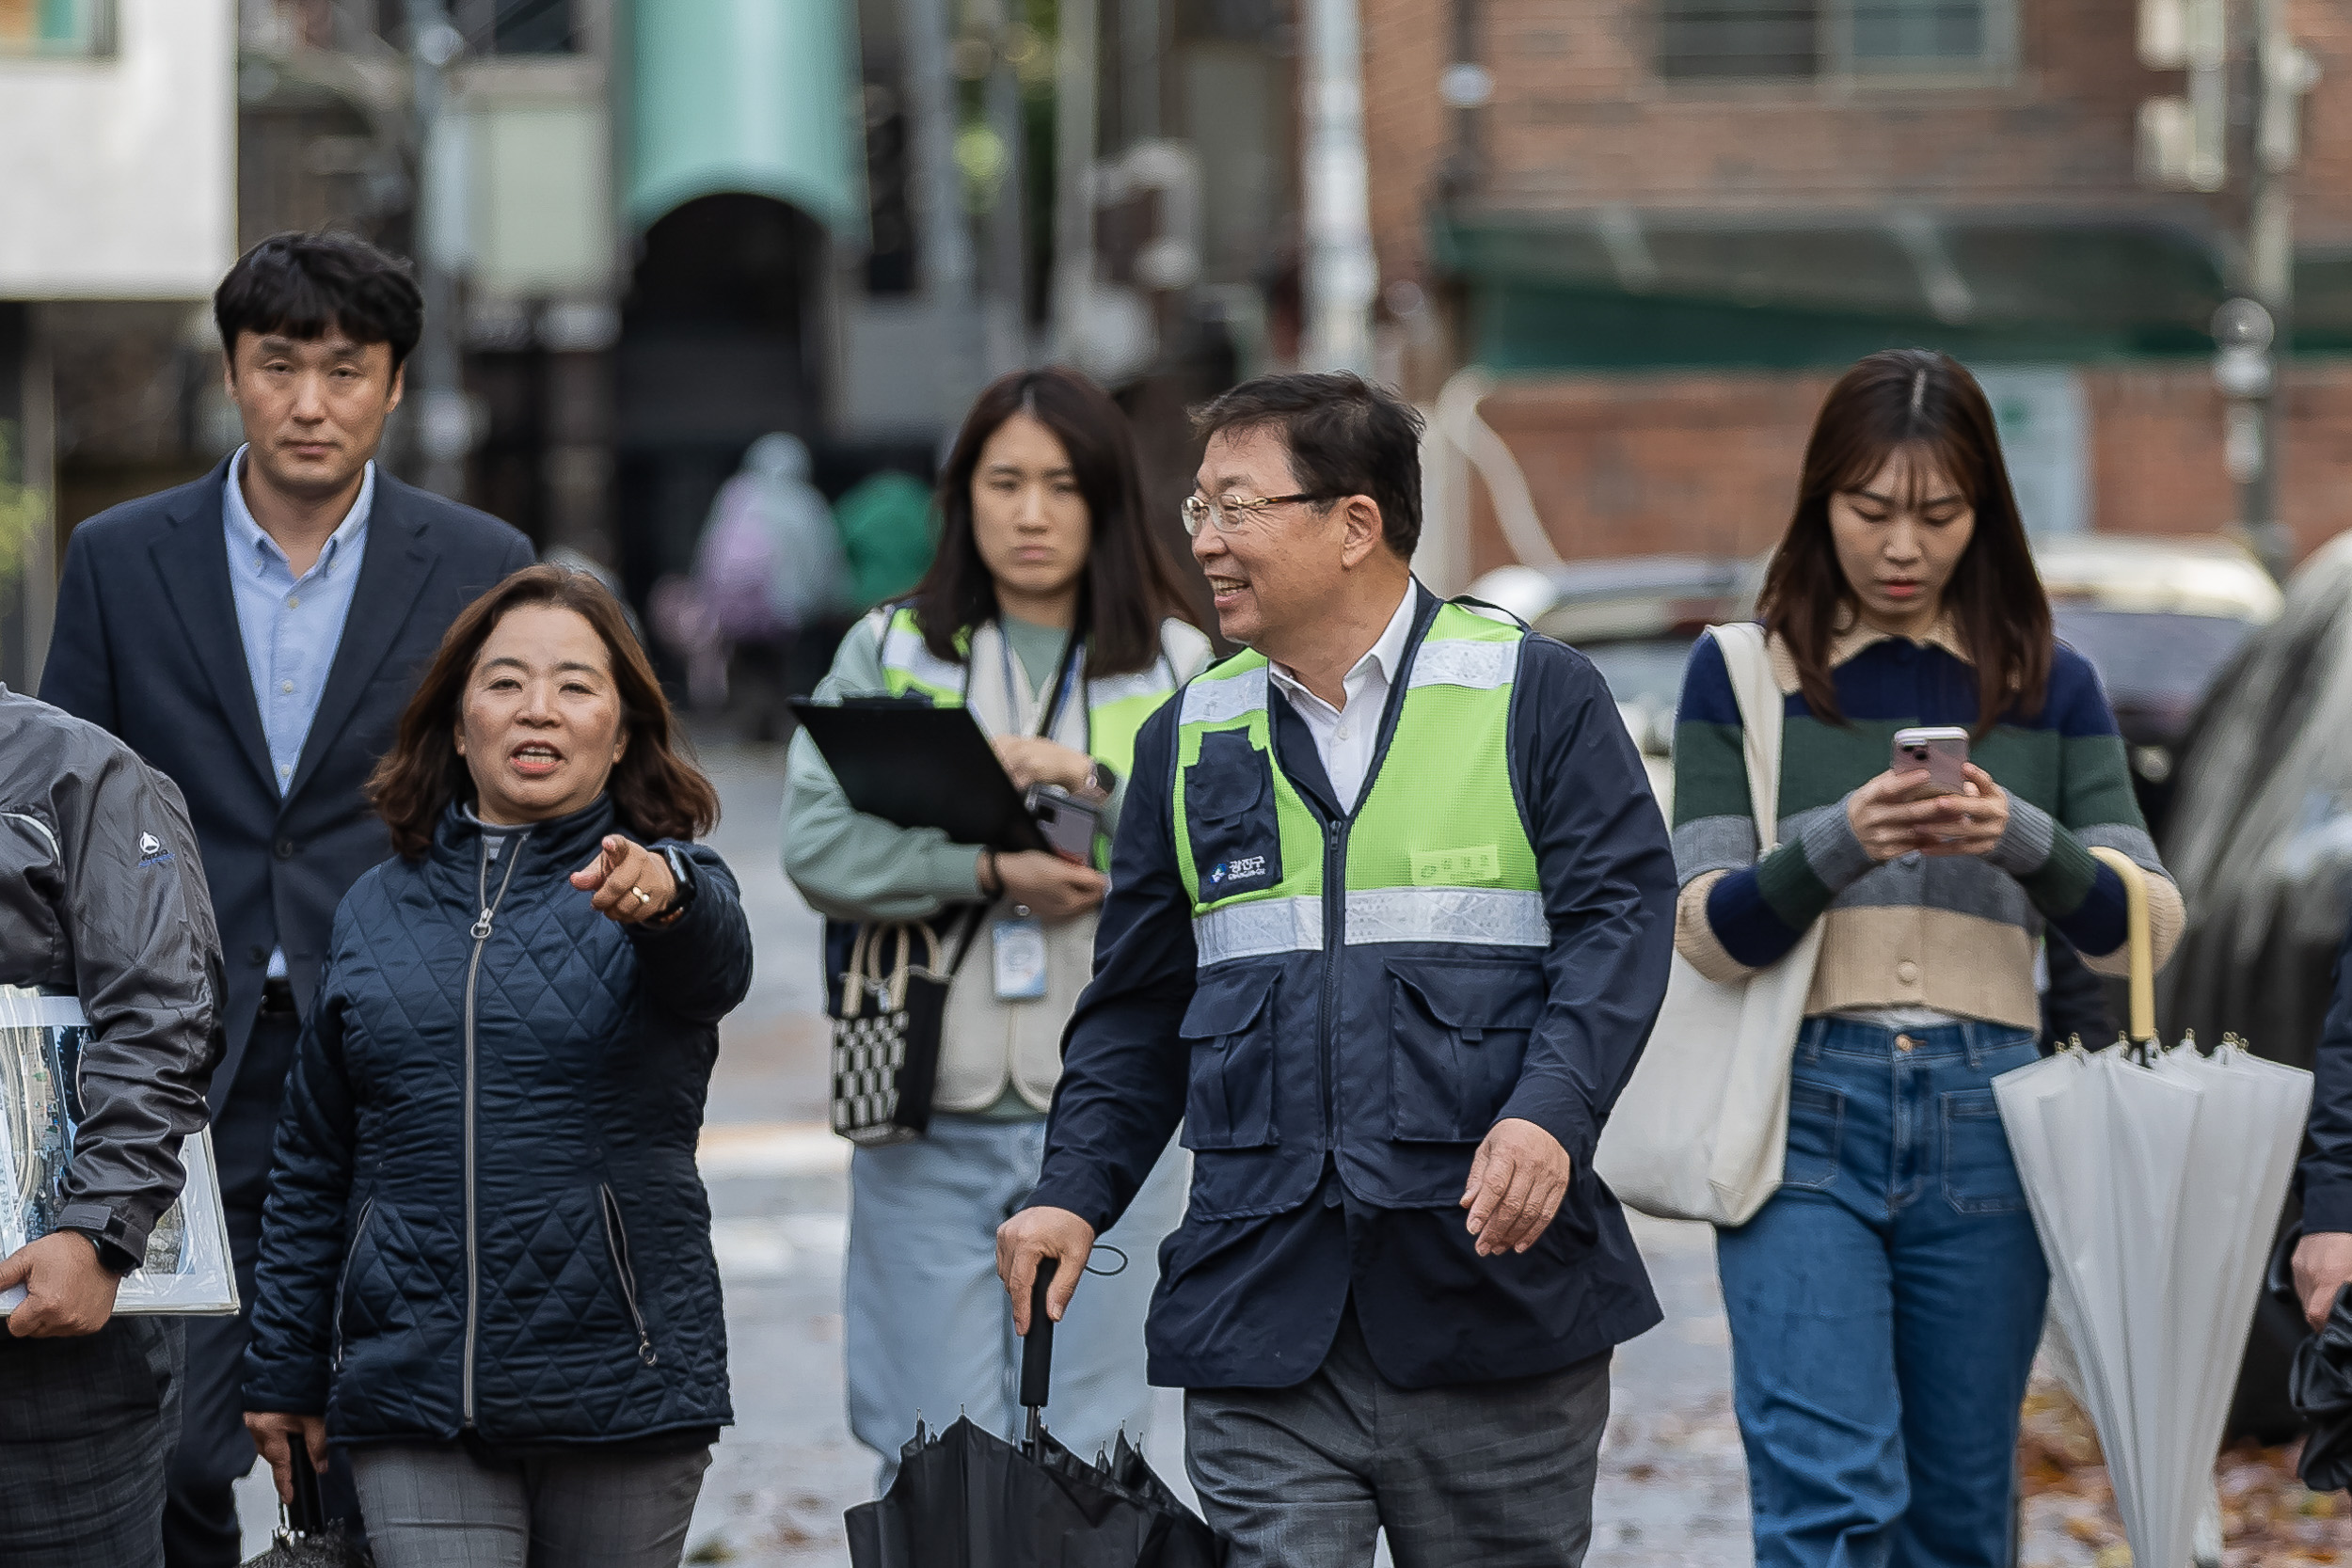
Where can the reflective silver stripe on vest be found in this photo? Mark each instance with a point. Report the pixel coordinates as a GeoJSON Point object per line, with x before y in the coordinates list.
{"type": "Point", "coordinates": [1118, 689]}
{"type": "Point", "coordinates": [1479, 916]}
{"type": "Point", "coordinates": [904, 650]}
{"type": "Point", "coordinates": [1480, 666]}
{"type": "Point", "coordinates": [1258, 927]}
{"type": "Point", "coordinates": [1214, 701]}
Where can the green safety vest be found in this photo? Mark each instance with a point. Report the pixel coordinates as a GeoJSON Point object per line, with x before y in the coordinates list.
{"type": "Point", "coordinates": [1366, 984]}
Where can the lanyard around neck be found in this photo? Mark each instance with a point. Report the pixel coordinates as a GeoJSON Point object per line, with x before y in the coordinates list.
{"type": "Point", "coordinates": [1065, 680]}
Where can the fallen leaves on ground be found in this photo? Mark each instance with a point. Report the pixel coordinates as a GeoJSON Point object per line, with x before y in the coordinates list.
{"type": "Point", "coordinates": [2268, 1519]}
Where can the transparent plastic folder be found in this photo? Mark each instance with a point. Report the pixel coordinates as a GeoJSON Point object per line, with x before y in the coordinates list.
{"type": "Point", "coordinates": [187, 1267]}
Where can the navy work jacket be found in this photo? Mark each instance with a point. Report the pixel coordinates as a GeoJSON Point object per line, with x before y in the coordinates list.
{"type": "Point", "coordinates": [1254, 1301]}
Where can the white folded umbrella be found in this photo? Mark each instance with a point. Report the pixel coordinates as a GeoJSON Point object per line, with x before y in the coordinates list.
{"type": "Point", "coordinates": [2153, 1178]}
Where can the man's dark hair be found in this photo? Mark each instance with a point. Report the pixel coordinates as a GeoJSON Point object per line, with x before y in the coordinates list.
{"type": "Point", "coordinates": [1346, 437]}
{"type": "Point", "coordinates": [305, 285]}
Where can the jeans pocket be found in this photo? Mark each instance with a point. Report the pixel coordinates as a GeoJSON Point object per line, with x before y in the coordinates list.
{"type": "Point", "coordinates": [1980, 1177]}
{"type": "Point", "coordinates": [1817, 1132]}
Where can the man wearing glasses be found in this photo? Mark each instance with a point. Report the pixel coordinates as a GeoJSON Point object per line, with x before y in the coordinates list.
{"type": "Point", "coordinates": [1390, 916]}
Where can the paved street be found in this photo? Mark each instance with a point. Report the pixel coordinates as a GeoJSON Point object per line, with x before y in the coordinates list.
{"type": "Point", "coordinates": [1671, 1490]}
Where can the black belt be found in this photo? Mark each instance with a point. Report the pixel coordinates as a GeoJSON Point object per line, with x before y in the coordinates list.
{"type": "Point", "coordinates": [277, 998]}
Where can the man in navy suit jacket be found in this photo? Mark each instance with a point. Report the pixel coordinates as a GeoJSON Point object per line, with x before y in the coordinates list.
{"type": "Point", "coordinates": [256, 634]}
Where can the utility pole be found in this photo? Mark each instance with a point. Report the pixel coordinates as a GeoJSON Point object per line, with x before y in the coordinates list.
{"type": "Point", "coordinates": [942, 240]}
{"type": "Point", "coordinates": [1075, 70]}
{"type": "Point", "coordinates": [1339, 273]}
{"type": "Point", "coordinates": [436, 388]}
{"type": "Point", "coordinates": [1007, 300]}
{"type": "Point", "coordinates": [2193, 142]}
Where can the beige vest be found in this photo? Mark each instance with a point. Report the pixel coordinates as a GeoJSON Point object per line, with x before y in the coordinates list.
{"type": "Point", "coordinates": [985, 1044]}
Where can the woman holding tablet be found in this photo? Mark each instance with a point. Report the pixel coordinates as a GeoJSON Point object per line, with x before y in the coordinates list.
{"type": "Point", "coordinates": [1055, 615]}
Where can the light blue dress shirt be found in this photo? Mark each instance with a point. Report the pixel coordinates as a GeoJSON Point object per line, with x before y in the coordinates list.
{"type": "Point", "coordinates": [291, 626]}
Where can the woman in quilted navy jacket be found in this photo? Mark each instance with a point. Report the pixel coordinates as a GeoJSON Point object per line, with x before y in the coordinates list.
{"type": "Point", "coordinates": [485, 1264]}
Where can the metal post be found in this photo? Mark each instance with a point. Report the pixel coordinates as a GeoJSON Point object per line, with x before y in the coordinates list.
{"type": "Point", "coordinates": [1074, 132]}
{"type": "Point", "coordinates": [436, 388]}
{"type": "Point", "coordinates": [1006, 295]}
{"type": "Point", "coordinates": [1340, 272]}
{"type": "Point", "coordinates": [943, 241]}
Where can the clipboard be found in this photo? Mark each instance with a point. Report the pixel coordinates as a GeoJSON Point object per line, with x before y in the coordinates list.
{"type": "Point", "coordinates": [918, 766]}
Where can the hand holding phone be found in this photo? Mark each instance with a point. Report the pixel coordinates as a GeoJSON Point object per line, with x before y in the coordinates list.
{"type": "Point", "coordinates": [1941, 751]}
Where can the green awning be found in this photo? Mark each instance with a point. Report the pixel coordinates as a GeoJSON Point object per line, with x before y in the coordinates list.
{"type": "Point", "coordinates": [1624, 290]}
{"type": "Point", "coordinates": [750, 96]}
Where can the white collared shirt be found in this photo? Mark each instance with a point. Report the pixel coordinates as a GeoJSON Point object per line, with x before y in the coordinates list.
{"type": "Point", "coordinates": [1344, 737]}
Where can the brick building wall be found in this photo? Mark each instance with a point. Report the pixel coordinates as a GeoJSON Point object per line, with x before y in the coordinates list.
{"type": "Point", "coordinates": [1634, 465]}
{"type": "Point", "coordinates": [1582, 119]}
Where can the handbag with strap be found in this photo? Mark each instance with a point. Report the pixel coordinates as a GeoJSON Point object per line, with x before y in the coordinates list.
{"type": "Point", "coordinates": [1701, 1130]}
{"type": "Point", "coordinates": [887, 1012]}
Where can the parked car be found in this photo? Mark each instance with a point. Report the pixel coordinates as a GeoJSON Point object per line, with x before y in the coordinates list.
{"type": "Point", "coordinates": [2260, 841]}
{"type": "Point", "coordinates": [1635, 618]}
{"type": "Point", "coordinates": [2159, 618]}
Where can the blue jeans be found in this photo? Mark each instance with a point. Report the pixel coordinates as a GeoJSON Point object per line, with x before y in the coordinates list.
{"type": "Point", "coordinates": [1885, 1305]}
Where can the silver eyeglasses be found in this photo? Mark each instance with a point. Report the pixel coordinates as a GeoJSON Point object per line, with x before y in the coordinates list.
{"type": "Point", "coordinates": [1227, 513]}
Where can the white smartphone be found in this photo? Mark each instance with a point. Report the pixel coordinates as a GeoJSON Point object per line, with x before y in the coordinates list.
{"type": "Point", "coordinates": [1942, 750]}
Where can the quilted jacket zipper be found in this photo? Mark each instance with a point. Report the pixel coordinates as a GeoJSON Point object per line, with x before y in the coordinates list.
{"type": "Point", "coordinates": [343, 1280]}
{"type": "Point", "coordinates": [481, 933]}
{"type": "Point", "coordinates": [616, 1241]}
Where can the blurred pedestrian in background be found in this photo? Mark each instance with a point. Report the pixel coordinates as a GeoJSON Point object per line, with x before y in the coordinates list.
{"type": "Point", "coordinates": [1391, 917]}
{"type": "Point", "coordinates": [769, 572]}
{"type": "Point", "coordinates": [487, 1269]}
{"type": "Point", "coordinates": [1055, 616]}
{"type": "Point", "coordinates": [885, 525]}
{"type": "Point", "coordinates": [255, 635]}
{"type": "Point", "coordinates": [1886, 1302]}
{"type": "Point", "coordinates": [103, 907]}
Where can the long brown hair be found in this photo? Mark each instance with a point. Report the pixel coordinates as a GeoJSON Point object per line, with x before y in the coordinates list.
{"type": "Point", "coordinates": [656, 793]}
{"type": "Point", "coordinates": [1913, 400]}
{"type": "Point", "coordinates": [1131, 583]}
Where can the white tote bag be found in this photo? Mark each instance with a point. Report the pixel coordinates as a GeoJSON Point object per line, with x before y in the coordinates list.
{"type": "Point", "coordinates": [1701, 1129]}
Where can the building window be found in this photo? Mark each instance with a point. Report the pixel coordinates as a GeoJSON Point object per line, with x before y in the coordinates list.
{"type": "Point", "coordinates": [1778, 39]}
{"type": "Point", "coordinates": [57, 27]}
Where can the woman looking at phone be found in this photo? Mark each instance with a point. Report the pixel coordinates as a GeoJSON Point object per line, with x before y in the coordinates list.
{"type": "Point", "coordinates": [1054, 613]}
{"type": "Point", "coordinates": [1885, 1305]}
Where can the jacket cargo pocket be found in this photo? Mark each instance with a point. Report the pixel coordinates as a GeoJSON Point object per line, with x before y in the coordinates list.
{"type": "Point", "coordinates": [1229, 1102]}
{"type": "Point", "coordinates": [1458, 1032]}
{"type": "Point", "coordinates": [1230, 817]}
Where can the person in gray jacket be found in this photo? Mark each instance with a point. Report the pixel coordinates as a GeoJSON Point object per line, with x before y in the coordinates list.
{"type": "Point", "coordinates": [102, 901]}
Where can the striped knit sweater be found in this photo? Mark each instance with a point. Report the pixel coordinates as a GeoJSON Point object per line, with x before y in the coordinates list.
{"type": "Point", "coordinates": [1952, 933]}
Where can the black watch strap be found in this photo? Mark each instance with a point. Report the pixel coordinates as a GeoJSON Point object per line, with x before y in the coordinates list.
{"type": "Point", "coordinates": [682, 873]}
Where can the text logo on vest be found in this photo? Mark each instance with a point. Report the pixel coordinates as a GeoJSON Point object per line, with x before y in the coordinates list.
{"type": "Point", "coordinates": [1245, 868]}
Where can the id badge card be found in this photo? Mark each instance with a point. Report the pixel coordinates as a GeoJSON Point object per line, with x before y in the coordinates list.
{"type": "Point", "coordinates": [1020, 949]}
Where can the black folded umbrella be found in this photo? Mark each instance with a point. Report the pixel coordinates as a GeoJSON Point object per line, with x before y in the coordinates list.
{"type": "Point", "coordinates": [2320, 1386]}
{"type": "Point", "coordinates": [966, 1498]}
{"type": "Point", "coordinates": [306, 1537]}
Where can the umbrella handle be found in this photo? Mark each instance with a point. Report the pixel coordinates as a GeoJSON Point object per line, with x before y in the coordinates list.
{"type": "Point", "coordinates": [308, 1514]}
{"type": "Point", "coordinates": [2142, 1027]}
{"type": "Point", "coordinates": [1037, 1348]}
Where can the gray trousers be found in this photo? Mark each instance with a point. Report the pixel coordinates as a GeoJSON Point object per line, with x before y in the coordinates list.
{"type": "Point", "coordinates": [86, 1428]}
{"type": "Point", "coordinates": [434, 1506]}
{"type": "Point", "coordinates": [1495, 1474]}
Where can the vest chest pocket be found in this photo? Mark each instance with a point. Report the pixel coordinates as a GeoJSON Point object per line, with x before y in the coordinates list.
{"type": "Point", "coordinates": [1230, 817]}
{"type": "Point", "coordinates": [1228, 1097]}
{"type": "Point", "coordinates": [1457, 1036]}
